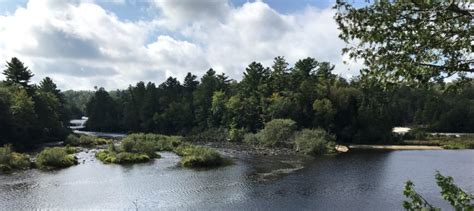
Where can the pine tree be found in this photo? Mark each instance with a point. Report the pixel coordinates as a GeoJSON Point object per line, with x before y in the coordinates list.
{"type": "Point", "coordinates": [17, 73]}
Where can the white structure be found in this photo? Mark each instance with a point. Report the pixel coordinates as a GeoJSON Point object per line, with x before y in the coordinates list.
{"type": "Point", "coordinates": [77, 124]}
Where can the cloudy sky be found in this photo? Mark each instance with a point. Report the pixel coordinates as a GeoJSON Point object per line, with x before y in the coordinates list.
{"type": "Point", "coordinates": [114, 43]}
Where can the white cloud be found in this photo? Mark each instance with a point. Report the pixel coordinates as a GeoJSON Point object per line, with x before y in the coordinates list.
{"type": "Point", "coordinates": [80, 44]}
{"type": "Point", "coordinates": [177, 13]}
{"type": "Point", "coordinates": [256, 32]}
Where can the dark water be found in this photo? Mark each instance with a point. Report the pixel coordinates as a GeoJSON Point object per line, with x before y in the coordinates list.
{"type": "Point", "coordinates": [351, 181]}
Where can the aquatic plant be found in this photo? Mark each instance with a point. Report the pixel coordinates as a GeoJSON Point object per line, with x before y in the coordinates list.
{"type": "Point", "coordinates": [10, 160]}
{"type": "Point", "coordinates": [85, 141]}
{"type": "Point", "coordinates": [198, 156]}
{"type": "Point", "coordinates": [108, 156]}
{"type": "Point", "coordinates": [56, 157]}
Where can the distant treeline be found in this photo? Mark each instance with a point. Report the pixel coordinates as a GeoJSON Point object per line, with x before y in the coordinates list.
{"type": "Point", "coordinates": [309, 93]}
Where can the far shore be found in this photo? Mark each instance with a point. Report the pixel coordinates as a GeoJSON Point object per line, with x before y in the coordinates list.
{"type": "Point", "coordinates": [395, 147]}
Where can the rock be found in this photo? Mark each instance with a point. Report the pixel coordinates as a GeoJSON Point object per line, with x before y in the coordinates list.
{"type": "Point", "coordinates": [341, 148]}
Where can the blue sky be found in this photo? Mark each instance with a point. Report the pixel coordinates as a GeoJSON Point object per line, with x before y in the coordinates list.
{"type": "Point", "coordinates": [115, 43]}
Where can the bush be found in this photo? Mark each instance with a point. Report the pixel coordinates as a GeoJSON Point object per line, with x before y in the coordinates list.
{"type": "Point", "coordinates": [197, 156]}
{"type": "Point", "coordinates": [237, 134]}
{"type": "Point", "coordinates": [253, 138]}
{"type": "Point", "coordinates": [107, 156]}
{"type": "Point", "coordinates": [55, 157]}
{"type": "Point", "coordinates": [85, 141]}
{"type": "Point", "coordinates": [149, 143]}
{"type": "Point", "coordinates": [278, 132]}
{"type": "Point", "coordinates": [139, 147]}
{"type": "Point", "coordinates": [314, 142]}
{"type": "Point", "coordinates": [11, 160]}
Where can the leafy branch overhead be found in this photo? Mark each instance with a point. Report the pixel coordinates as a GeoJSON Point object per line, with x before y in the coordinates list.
{"type": "Point", "coordinates": [458, 198]}
{"type": "Point", "coordinates": [409, 41]}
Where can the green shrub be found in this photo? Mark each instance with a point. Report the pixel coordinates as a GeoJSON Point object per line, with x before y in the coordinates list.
{"type": "Point", "coordinates": [20, 161]}
{"type": "Point", "coordinates": [107, 156]}
{"type": "Point", "coordinates": [85, 141]}
{"type": "Point", "coordinates": [149, 143]}
{"type": "Point", "coordinates": [314, 142]}
{"type": "Point", "coordinates": [10, 160]}
{"type": "Point", "coordinates": [253, 138]}
{"type": "Point", "coordinates": [56, 157]}
{"type": "Point", "coordinates": [71, 150]}
{"type": "Point", "coordinates": [278, 132]}
{"type": "Point", "coordinates": [139, 147]}
{"type": "Point", "coordinates": [197, 156]}
{"type": "Point", "coordinates": [72, 140]}
{"type": "Point", "coordinates": [237, 134]}
{"type": "Point", "coordinates": [5, 154]}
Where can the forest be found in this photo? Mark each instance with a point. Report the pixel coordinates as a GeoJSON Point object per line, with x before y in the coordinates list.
{"type": "Point", "coordinates": [219, 108]}
{"type": "Point", "coordinates": [355, 110]}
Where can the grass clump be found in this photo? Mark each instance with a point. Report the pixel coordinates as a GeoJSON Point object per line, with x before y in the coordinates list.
{"type": "Point", "coordinates": [138, 148]}
{"type": "Point", "coordinates": [108, 156]}
{"type": "Point", "coordinates": [141, 142]}
{"type": "Point", "coordinates": [85, 141]}
{"type": "Point", "coordinates": [314, 142]}
{"type": "Point", "coordinates": [197, 156]}
{"type": "Point", "coordinates": [56, 157]}
{"type": "Point", "coordinates": [10, 160]}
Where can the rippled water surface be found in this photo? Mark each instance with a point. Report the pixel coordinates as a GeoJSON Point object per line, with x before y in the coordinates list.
{"type": "Point", "coordinates": [350, 181]}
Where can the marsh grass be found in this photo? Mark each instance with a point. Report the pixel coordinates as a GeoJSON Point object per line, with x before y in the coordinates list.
{"type": "Point", "coordinates": [56, 157]}
{"type": "Point", "coordinates": [140, 147]}
{"type": "Point", "coordinates": [10, 160]}
{"type": "Point", "coordinates": [85, 141]}
{"type": "Point", "coordinates": [198, 156]}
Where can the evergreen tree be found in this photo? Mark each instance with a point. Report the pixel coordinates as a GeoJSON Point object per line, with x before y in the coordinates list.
{"type": "Point", "coordinates": [17, 73]}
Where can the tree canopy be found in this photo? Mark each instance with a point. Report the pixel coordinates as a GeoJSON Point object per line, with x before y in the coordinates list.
{"type": "Point", "coordinates": [308, 93]}
{"type": "Point", "coordinates": [418, 42]}
{"type": "Point", "coordinates": [30, 114]}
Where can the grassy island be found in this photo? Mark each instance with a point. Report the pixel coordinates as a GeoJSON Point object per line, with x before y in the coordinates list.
{"type": "Point", "coordinates": [55, 158]}
{"type": "Point", "coordinates": [10, 160]}
{"type": "Point", "coordinates": [198, 156]}
{"type": "Point", "coordinates": [140, 147]}
{"type": "Point", "coordinates": [85, 141]}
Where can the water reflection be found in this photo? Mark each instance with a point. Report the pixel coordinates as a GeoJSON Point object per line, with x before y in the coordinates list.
{"type": "Point", "coordinates": [351, 181]}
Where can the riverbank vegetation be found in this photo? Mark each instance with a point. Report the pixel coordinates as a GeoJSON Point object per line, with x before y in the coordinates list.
{"type": "Point", "coordinates": [85, 141]}
{"type": "Point", "coordinates": [217, 108]}
{"type": "Point", "coordinates": [280, 133]}
{"type": "Point", "coordinates": [458, 198]}
{"type": "Point", "coordinates": [10, 160]}
{"type": "Point", "coordinates": [420, 137]}
{"type": "Point", "coordinates": [56, 157]}
{"type": "Point", "coordinates": [141, 147]}
{"type": "Point", "coordinates": [198, 156]}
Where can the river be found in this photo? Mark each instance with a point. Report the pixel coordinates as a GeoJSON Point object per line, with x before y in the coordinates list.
{"type": "Point", "coordinates": [366, 180]}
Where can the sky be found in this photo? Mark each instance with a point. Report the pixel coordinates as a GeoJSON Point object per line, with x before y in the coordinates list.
{"type": "Point", "coordinates": [81, 44]}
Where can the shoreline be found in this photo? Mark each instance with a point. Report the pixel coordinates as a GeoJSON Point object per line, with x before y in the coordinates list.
{"type": "Point", "coordinates": [394, 147]}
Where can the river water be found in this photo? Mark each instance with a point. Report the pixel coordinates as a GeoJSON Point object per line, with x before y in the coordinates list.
{"type": "Point", "coordinates": [351, 181]}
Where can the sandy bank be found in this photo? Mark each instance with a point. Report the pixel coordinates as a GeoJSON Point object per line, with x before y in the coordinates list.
{"type": "Point", "coordinates": [395, 147]}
